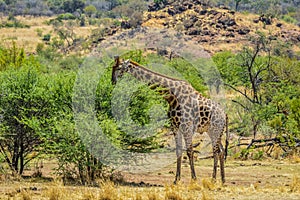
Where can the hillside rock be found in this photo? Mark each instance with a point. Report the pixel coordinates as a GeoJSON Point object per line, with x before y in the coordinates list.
{"type": "Point", "coordinates": [243, 31]}
{"type": "Point", "coordinates": [195, 19]}
{"type": "Point", "coordinates": [213, 26]}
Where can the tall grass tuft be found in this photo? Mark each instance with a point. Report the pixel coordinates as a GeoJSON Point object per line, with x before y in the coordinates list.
{"type": "Point", "coordinates": [208, 184]}
{"type": "Point", "coordinates": [88, 196]}
{"type": "Point", "coordinates": [206, 196]}
{"type": "Point", "coordinates": [25, 195]}
{"type": "Point", "coordinates": [152, 196]}
{"type": "Point", "coordinates": [174, 192]}
{"type": "Point", "coordinates": [295, 185]}
{"type": "Point", "coordinates": [194, 186]}
{"type": "Point", "coordinates": [172, 195]}
{"type": "Point", "coordinates": [138, 196]}
{"type": "Point", "coordinates": [55, 193]}
{"type": "Point", "coordinates": [108, 191]}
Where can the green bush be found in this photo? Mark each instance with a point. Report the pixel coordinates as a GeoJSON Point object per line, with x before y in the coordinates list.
{"type": "Point", "coordinates": [289, 19]}
{"type": "Point", "coordinates": [90, 10]}
{"type": "Point", "coordinates": [12, 57]}
{"type": "Point", "coordinates": [25, 109]}
{"type": "Point", "coordinates": [13, 24]}
{"type": "Point", "coordinates": [258, 155]}
{"type": "Point", "coordinates": [47, 37]}
{"type": "Point", "coordinates": [71, 62]}
{"type": "Point", "coordinates": [66, 16]}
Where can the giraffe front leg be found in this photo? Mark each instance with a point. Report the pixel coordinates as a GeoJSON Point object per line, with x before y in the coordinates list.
{"type": "Point", "coordinates": [178, 169]}
{"type": "Point", "coordinates": [190, 153]}
{"type": "Point", "coordinates": [178, 140]}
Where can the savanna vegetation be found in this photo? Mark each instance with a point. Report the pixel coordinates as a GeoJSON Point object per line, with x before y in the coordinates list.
{"type": "Point", "coordinates": [37, 118]}
{"type": "Point", "coordinates": [287, 10]}
{"type": "Point", "coordinates": [38, 122]}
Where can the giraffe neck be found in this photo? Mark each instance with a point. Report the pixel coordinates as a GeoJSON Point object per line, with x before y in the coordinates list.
{"type": "Point", "coordinates": [152, 78]}
{"type": "Point", "coordinates": [177, 93]}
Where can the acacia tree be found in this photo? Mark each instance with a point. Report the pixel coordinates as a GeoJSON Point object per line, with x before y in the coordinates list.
{"type": "Point", "coordinates": [90, 10]}
{"type": "Point", "coordinates": [66, 35]}
{"type": "Point", "coordinates": [36, 118]}
{"type": "Point", "coordinates": [62, 141]}
{"type": "Point", "coordinates": [24, 108]}
{"type": "Point", "coordinates": [253, 70]}
{"type": "Point", "coordinates": [267, 94]}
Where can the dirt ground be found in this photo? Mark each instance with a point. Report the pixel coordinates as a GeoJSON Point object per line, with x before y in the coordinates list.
{"type": "Point", "coordinates": [251, 179]}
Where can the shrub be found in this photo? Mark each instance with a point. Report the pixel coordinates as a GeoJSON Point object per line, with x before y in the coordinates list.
{"type": "Point", "coordinates": [136, 19]}
{"type": "Point", "coordinates": [90, 10]}
{"type": "Point", "coordinates": [12, 57]}
{"type": "Point", "coordinates": [47, 37]}
{"type": "Point", "coordinates": [66, 16]}
{"type": "Point", "coordinates": [39, 32]}
{"type": "Point", "coordinates": [289, 19]}
{"type": "Point", "coordinates": [14, 24]}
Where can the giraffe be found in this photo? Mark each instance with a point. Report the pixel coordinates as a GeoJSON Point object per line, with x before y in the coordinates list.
{"type": "Point", "coordinates": [189, 112]}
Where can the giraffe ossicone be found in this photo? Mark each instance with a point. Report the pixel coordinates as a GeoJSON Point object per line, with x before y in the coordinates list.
{"type": "Point", "coordinates": [189, 112]}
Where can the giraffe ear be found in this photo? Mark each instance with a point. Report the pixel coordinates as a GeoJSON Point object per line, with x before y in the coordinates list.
{"type": "Point", "coordinates": [117, 61]}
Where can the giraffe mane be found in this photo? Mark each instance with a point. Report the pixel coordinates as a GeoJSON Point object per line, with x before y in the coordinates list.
{"type": "Point", "coordinates": [162, 75]}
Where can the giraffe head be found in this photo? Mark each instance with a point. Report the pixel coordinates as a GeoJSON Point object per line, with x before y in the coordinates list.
{"type": "Point", "coordinates": [119, 68]}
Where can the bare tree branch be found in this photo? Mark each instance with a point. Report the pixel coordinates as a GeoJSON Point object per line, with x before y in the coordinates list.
{"type": "Point", "coordinates": [239, 103]}
{"type": "Point", "coordinates": [7, 158]}
{"type": "Point", "coordinates": [242, 93]}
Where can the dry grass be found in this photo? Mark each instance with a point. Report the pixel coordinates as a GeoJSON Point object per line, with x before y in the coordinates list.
{"type": "Point", "coordinates": [26, 37]}
{"type": "Point", "coordinates": [174, 192]}
{"type": "Point", "coordinates": [108, 191]}
{"type": "Point", "coordinates": [295, 185]}
{"type": "Point", "coordinates": [29, 38]}
{"type": "Point", "coordinates": [208, 184]}
{"type": "Point", "coordinates": [251, 179]}
{"type": "Point", "coordinates": [112, 192]}
{"type": "Point", "coordinates": [150, 195]}
{"type": "Point", "coordinates": [26, 195]}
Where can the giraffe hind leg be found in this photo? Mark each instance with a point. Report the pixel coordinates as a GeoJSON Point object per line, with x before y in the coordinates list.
{"type": "Point", "coordinates": [218, 152]}
{"type": "Point", "coordinates": [215, 153]}
{"type": "Point", "coordinates": [222, 160]}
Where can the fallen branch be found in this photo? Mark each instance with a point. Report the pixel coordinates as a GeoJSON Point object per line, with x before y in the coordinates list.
{"type": "Point", "coordinates": [241, 144]}
{"type": "Point", "coordinates": [271, 142]}
{"type": "Point", "coordinates": [207, 157]}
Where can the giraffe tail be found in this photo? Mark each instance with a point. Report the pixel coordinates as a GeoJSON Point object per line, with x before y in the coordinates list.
{"type": "Point", "coordinates": [227, 137]}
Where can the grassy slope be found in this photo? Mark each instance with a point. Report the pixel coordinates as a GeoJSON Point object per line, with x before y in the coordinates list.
{"type": "Point", "coordinates": [28, 37]}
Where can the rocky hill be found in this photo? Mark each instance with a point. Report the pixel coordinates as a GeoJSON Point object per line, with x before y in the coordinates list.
{"type": "Point", "coordinates": [218, 29]}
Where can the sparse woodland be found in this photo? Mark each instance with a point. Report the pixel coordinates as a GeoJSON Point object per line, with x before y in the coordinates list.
{"type": "Point", "coordinates": [261, 81]}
